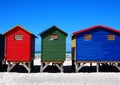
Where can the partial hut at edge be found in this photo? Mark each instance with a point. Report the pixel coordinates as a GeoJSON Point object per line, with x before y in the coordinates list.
{"type": "Point", "coordinates": [98, 44]}
{"type": "Point", "coordinates": [2, 48]}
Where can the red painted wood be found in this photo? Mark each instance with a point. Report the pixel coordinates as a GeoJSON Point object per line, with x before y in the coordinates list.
{"type": "Point", "coordinates": [19, 50]}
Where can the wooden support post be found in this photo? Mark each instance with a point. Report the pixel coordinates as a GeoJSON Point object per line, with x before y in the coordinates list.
{"type": "Point", "coordinates": [10, 67]}
{"type": "Point", "coordinates": [76, 65]}
{"type": "Point", "coordinates": [43, 67]}
{"type": "Point", "coordinates": [90, 64]}
{"type": "Point", "coordinates": [73, 61]}
{"type": "Point", "coordinates": [118, 67]}
{"type": "Point", "coordinates": [60, 67]}
{"type": "Point", "coordinates": [28, 68]}
{"type": "Point", "coordinates": [80, 66]}
{"type": "Point", "coordinates": [97, 67]}
{"type": "Point", "coordinates": [118, 64]}
{"type": "Point", "coordinates": [26, 65]}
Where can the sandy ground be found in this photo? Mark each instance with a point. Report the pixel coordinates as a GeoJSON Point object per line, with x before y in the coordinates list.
{"type": "Point", "coordinates": [45, 78]}
{"type": "Point", "coordinates": [59, 79]}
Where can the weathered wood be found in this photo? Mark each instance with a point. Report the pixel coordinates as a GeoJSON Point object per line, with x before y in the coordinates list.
{"type": "Point", "coordinates": [90, 64]}
{"type": "Point", "coordinates": [118, 64]}
{"type": "Point", "coordinates": [97, 67]}
{"type": "Point", "coordinates": [28, 68]}
{"type": "Point", "coordinates": [78, 66]}
{"type": "Point", "coordinates": [11, 66]}
{"type": "Point", "coordinates": [43, 67]}
{"type": "Point", "coordinates": [118, 67]}
{"type": "Point", "coordinates": [60, 67]}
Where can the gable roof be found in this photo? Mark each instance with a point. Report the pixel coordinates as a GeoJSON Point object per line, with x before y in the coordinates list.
{"type": "Point", "coordinates": [21, 28]}
{"type": "Point", "coordinates": [95, 27]}
{"type": "Point", "coordinates": [53, 27]}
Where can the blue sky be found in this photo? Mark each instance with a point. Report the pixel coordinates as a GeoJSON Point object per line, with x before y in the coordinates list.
{"type": "Point", "coordinates": [69, 15]}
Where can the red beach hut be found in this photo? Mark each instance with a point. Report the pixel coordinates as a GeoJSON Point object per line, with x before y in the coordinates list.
{"type": "Point", "coordinates": [20, 47]}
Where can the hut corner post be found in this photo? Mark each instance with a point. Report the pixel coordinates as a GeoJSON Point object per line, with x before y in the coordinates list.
{"type": "Point", "coordinates": [78, 66]}
{"type": "Point", "coordinates": [44, 65]}
{"type": "Point", "coordinates": [97, 67]}
{"type": "Point", "coordinates": [1, 63]}
{"type": "Point", "coordinates": [26, 65]}
{"type": "Point", "coordinates": [117, 66]}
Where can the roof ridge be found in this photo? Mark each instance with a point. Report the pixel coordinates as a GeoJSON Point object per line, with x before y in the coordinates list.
{"type": "Point", "coordinates": [21, 28]}
{"type": "Point", "coordinates": [94, 27]}
{"type": "Point", "coordinates": [52, 28]}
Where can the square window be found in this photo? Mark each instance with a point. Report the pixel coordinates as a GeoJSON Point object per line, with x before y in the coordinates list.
{"type": "Point", "coordinates": [18, 37]}
{"type": "Point", "coordinates": [87, 37]}
{"type": "Point", "coordinates": [111, 37]}
{"type": "Point", "coordinates": [53, 37]}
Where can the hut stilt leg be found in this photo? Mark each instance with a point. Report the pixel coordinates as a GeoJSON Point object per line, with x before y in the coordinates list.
{"type": "Point", "coordinates": [80, 66]}
{"type": "Point", "coordinates": [97, 67]}
{"type": "Point", "coordinates": [90, 64]}
{"type": "Point", "coordinates": [27, 68]}
{"type": "Point", "coordinates": [76, 66]}
{"type": "Point", "coordinates": [43, 67]}
{"type": "Point", "coordinates": [118, 67]}
{"type": "Point", "coordinates": [60, 67]}
{"type": "Point", "coordinates": [118, 64]}
{"type": "Point", "coordinates": [8, 67]}
{"type": "Point", "coordinates": [11, 67]}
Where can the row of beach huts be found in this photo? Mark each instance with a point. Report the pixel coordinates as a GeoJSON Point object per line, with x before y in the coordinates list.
{"type": "Point", "coordinates": [98, 44]}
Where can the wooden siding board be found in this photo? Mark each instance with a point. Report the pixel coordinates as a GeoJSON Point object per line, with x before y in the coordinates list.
{"type": "Point", "coordinates": [19, 50]}
{"type": "Point", "coordinates": [73, 48]}
{"type": "Point", "coordinates": [99, 48]}
{"type": "Point", "coordinates": [53, 50]}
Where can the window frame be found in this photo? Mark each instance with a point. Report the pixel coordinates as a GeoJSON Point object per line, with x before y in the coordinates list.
{"type": "Point", "coordinates": [111, 37]}
{"type": "Point", "coordinates": [87, 37]}
{"type": "Point", "coordinates": [18, 37]}
{"type": "Point", "coordinates": [53, 37]}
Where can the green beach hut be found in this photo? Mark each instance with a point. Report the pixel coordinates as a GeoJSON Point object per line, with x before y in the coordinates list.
{"type": "Point", "coordinates": [53, 47]}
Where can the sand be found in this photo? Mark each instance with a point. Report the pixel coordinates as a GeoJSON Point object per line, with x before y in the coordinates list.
{"type": "Point", "coordinates": [45, 78]}
{"type": "Point", "coordinates": [59, 78]}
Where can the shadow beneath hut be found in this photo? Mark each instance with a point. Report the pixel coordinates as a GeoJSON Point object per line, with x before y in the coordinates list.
{"type": "Point", "coordinates": [54, 69]}
{"type": "Point", "coordinates": [68, 69]}
{"type": "Point", "coordinates": [101, 69]}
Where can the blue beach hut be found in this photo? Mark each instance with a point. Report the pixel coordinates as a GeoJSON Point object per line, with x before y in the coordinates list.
{"type": "Point", "coordinates": [97, 44]}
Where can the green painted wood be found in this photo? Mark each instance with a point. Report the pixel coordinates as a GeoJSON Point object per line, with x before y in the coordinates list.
{"type": "Point", "coordinates": [53, 50]}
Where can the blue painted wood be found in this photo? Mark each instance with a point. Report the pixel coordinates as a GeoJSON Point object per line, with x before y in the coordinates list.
{"type": "Point", "coordinates": [99, 48]}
